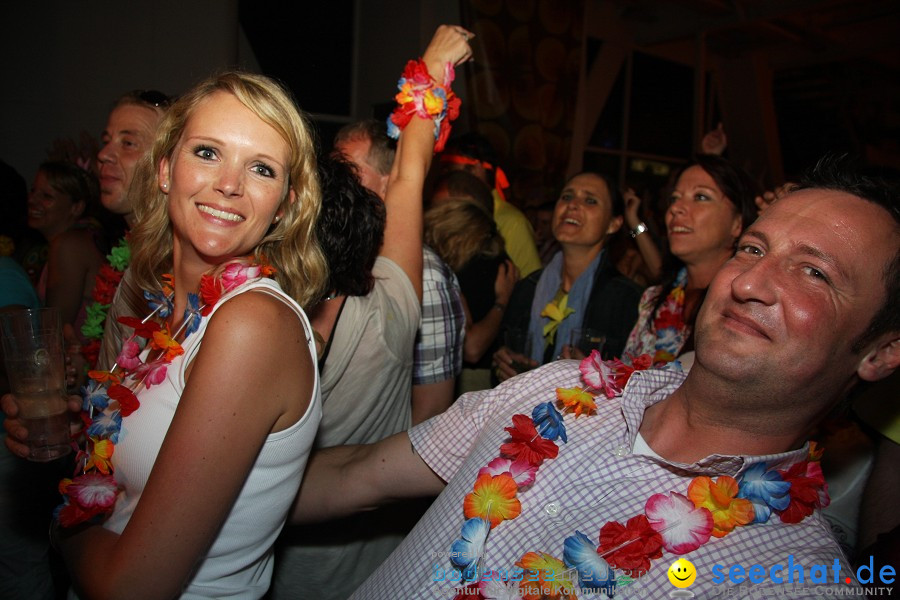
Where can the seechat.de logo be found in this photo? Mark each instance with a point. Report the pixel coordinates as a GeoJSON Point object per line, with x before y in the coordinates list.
{"type": "Point", "coordinates": [795, 572]}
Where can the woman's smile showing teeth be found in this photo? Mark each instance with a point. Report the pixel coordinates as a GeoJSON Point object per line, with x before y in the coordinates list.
{"type": "Point", "coordinates": [220, 214]}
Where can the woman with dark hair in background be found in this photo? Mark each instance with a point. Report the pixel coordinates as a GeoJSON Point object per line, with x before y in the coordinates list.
{"type": "Point", "coordinates": [579, 288]}
{"type": "Point", "coordinates": [711, 204]}
{"type": "Point", "coordinates": [59, 197]}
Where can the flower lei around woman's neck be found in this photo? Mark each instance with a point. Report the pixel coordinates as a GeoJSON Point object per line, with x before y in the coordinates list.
{"type": "Point", "coordinates": [111, 395]}
{"type": "Point", "coordinates": [672, 521]}
{"type": "Point", "coordinates": [106, 283]}
{"type": "Point", "coordinates": [668, 324]}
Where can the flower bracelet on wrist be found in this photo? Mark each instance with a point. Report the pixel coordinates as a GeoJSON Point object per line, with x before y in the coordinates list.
{"type": "Point", "coordinates": [421, 96]}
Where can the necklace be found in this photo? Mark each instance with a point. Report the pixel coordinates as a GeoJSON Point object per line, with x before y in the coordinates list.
{"type": "Point", "coordinates": [111, 395]}
{"type": "Point", "coordinates": [674, 522]}
{"type": "Point", "coordinates": [669, 328]}
{"type": "Point", "coordinates": [105, 285]}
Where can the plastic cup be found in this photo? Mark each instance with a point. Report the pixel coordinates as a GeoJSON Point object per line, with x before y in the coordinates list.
{"type": "Point", "coordinates": [35, 367]}
{"type": "Point", "coordinates": [586, 340]}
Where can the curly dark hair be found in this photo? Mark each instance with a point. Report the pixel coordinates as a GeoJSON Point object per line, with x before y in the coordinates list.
{"type": "Point", "coordinates": [350, 227]}
{"type": "Point", "coordinates": [878, 185]}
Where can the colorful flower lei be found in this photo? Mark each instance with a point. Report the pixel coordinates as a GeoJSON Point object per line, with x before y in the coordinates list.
{"type": "Point", "coordinates": [106, 283]}
{"type": "Point", "coordinates": [672, 522]}
{"type": "Point", "coordinates": [668, 324]}
{"type": "Point", "coordinates": [111, 395]}
{"type": "Point", "coordinates": [420, 95]}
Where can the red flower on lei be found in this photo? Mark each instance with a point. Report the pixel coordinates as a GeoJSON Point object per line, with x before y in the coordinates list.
{"type": "Point", "coordinates": [630, 547]}
{"type": "Point", "coordinates": [106, 282]}
{"type": "Point", "coordinates": [526, 443]}
{"type": "Point", "coordinates": [808, 491]}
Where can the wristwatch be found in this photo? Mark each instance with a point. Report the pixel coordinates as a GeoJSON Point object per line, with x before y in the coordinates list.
{"type": "Point", "coordinates": [638, 229]}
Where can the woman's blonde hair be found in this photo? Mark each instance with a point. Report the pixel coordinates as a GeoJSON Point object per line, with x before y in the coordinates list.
{"type": "Point", "coordinates": [459, 230]}
{"type": "Point", "coordinates": [290, 245]}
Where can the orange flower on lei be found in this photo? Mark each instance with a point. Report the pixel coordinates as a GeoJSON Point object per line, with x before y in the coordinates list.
{"type": "Point", "coordinates": [101, 453]}
{"type": "Point", "coordinates": [162, 340]}
{"type": "Point", "coordinates": [719, 498]}
{"type": "Point", "coordinates": [577, 399]}
{"type": "Point", "coordinates": [493, 499]}
{"type": "Point", "coordinates": [545, 578]}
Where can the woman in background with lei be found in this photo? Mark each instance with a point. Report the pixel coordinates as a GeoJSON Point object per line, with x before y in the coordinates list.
{"type": "Point", "coordinates": [229, 194]}
{"type": "Point", "coordinates": [711, 204]}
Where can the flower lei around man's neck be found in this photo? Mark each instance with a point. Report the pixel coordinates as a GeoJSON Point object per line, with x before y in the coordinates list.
{"type": "Point", "coordinates": [674, 522]}
{"type": "Point", "coordinates": [111, 395]}
{"type": "Point", "coordinates": [106, 283]}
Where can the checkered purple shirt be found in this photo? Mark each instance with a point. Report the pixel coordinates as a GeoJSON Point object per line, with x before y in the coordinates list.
{"type": "Point", "coordinates": [595, 479]}
{"type": "Point", "coordinates": [439, 341]}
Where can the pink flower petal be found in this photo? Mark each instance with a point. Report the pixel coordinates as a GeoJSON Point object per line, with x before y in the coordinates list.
{"type": "Point", "coordinates": [93, 491]}
{"type": "Point", "coordinates": [128, 356]}
{"type": "Point", "coordinates": [683, 527]}
{"type": "Point", "coordinates": [522, 472]}
{"type": "Point", "coordinates": [598, 375]}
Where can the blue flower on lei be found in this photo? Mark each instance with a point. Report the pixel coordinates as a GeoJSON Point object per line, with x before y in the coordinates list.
{"type": "Point", "coordinates": [594, 573]}
{"type": "Point", "coordinates": [549, 422]}
{"type": "Point", "coordinates": [94, 395]}
{"type": "Point", "coordinates": [765, 489]}
{"type": "Point", "coordinates": [158, 300]}
{"type": "Point", "coordinates": [106, 425]}
{"type": "Point", "coordinates": [467, 549]}
{"type": "Point", "coordinates": [192, 315]}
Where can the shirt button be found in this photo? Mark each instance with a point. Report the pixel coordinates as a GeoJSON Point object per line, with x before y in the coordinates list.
{"type": "Point", "coordinates": [623, 451]}
{"type": "Point", "coordinates": [552, 509]}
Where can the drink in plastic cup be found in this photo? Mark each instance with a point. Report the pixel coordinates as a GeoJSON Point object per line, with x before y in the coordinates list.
{"type": "Point", "coordinates": [586, 340]}
{"type": "Point", "coordinates": [518, 341]}
{"type": "Point", "coordinates": [35, 366]}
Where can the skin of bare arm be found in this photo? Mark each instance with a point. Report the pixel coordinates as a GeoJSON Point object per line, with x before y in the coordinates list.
{"type": "Point", "coordinates": [403, 199]}
{"type": "Point", "coordinates": [221, 420]}
{"type": "Point", "coordinates": [429, 399]}
{"type": "Point", "coordinates": [646, 246]}
{"type": "Point", "coordinates": [72, 263]}
{"type": "Point", "coordinates": [344, 480]}
{"type": "Point", "coordinates": [480, 335]}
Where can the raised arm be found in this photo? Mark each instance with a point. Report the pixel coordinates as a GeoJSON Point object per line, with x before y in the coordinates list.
{"type": "Point", "coordinates": [403, 200]}
{"type": "Point", "coordinates": [238, 392]}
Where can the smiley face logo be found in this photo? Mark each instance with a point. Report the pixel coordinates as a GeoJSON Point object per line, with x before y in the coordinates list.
{"type": "Point", "coordinates": [682, 573]}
